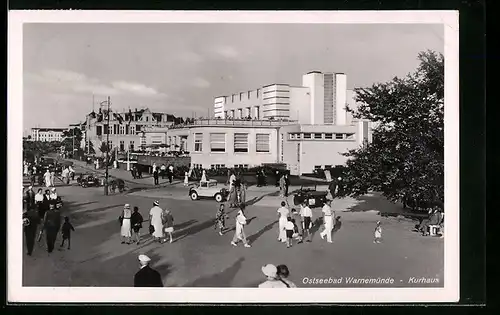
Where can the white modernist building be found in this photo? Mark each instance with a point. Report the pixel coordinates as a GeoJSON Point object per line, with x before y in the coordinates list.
{"type": "Point", "coordinates": [305, 127]}
{"type": "Point", "coordinates": [47, 134]}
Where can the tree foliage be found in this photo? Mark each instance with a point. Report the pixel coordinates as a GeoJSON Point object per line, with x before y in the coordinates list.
{"type": "Point", "coordinates": [68, 136]}
{"type": "Point", "coordinates": [39, 148]}
{"type": "Point", "coordinates": [406, 157]}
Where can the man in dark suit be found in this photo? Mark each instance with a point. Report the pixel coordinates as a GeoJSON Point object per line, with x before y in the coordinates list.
{"type": "Point", "coordinates": [30, 223]}
{"type": "Point", "coordinates": [51, 225]}
{"type": "Point", "coordinates": [146, 276]}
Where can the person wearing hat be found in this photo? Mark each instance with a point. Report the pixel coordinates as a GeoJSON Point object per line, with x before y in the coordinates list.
{"type": "Point", "coordinates": [31, 220]}
{"type": "Point", "coordinates": [51, 225]}
{"type": "Point", "coordinates": [272, 279]}
{"type": "Point", "coordinates": [53, 194]}
{"type": "Point", "coordinates": [328, 216]}
{"type": "Point", "coordinates": [156, 221]}
{"type": "Point", "coordinates": [126, 227]}
{"type": "Point", "coordinates": [147, 276]}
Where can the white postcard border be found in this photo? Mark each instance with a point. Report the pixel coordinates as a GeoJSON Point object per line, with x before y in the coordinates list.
{"type": "Point", "coordinates": [17, 293]}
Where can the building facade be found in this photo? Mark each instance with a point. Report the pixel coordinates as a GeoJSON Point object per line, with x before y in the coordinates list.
{"type": "Point", "coordinates": [126, 129]}
{"type": "Point", "coordinates": [47, 134]}
{"type": "Point", "coordinates": [305, 127]}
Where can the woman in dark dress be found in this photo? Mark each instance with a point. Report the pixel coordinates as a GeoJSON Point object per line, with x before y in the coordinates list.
{"type": "Point", "coordinates": [136, 222]}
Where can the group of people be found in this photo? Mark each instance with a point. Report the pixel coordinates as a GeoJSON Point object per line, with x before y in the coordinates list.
{"type": "Point", "coordinates": [161, 224]}
{"type": "Point", "coordinates": [237, 192]}
{"type": "Point", "coordinates": [276, 277]}
{"type": "Point", "coordinates": [163, 170]}
{"type": "Point", "coordinates": [435, 218]}
{"type": "Point", "coordinates": [240, 222]}
{"type": "Point", "coordinates": [45, 210]}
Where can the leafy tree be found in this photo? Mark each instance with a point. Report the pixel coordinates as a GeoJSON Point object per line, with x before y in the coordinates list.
{"type": "Point", "coordinates": [67, 141]}
{"type": "Point", "coordinates": [104, 147]}
{"type": "Point", "coordinates": [406, 157]}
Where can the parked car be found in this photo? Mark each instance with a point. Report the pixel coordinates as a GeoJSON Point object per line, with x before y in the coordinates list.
{"type": "Point", "coordinates": [309, 192]}
{"type": "Point", "coordinates": [208, 189]}
{"type": "Point", "coordinates": [88, 180]}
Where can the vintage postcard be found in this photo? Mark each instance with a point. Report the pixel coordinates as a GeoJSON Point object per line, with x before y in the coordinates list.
{"type": "Point", "coordinates": [226, 157]}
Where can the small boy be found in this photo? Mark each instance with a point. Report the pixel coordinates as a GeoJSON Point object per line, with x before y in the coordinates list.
{"type": "Point", "coordinates": [378, 233]}
{"type": "Point", "coordinates": [66, 232]}
{"type": "Point", "coordinates": [289, 227]}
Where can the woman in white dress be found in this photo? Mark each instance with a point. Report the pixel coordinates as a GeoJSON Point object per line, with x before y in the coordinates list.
{"type": "Point", "coordinates": [47, 178]}
{"type": "Point", "coordinates": [156, 220]}
{"type": "Point", "coordinates": [186, 179]}
{"type": "Point", "coordinates": [283, 213]}
{"type": "Point", "coordinates": [126, 230]}
{"type": "Point", "coordinates": [204, 176]}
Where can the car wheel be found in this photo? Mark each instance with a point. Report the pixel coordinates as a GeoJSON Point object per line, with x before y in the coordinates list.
{"type": "Point", "coordinates": [194, 195]}
{"type": "Point", "coordinates": [218, 197]}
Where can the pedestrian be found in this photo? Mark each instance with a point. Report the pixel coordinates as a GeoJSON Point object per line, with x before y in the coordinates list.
{"type": "Point", "coordinates": [168, 225]}
{"type": "Point", "coordinates": [239, 233]}
{"type": "Point", "coordinates": [232, 196]}
{"type": "Point", "coordinates": [156, 221]}
{"type": "Point", "coordinates": [283, 213]}
{"type": "Point", "coordinates": [30, 198]}
{"type": "Point", "coordinates": [126, 227]}
{"type": "Point", "coordinates": [72, 173]}
{"type": "Point", "coordinates": [163, 170]}
{"type": "Point", "coordinates": [272, 280]}
{"type": "Point", "coordinates": [25, 168]}
{"type": "Point", "coordinates": [51, 225]}
{"type": "Point", "coordinates": [232, 180]}
{"type": "Point", "coordinates": [328, 216]}
{"type": "Point", "coordinates": [171, 173]}
{"type": "Point", "coordinates": [278, 177]}
{"type": "Point", "coordinates": [155, 176]}
{"type": "Point", "coordinates": [136, 222]}
{"type": "Point", "coordinates": [31, 173]}
{"type": "Point", "coordinates": [31, 220]}
{"type": "Point", "coordinates": [287, 184]}
{"type": "Point", "coordinates": [133, 172]}
{"type": "Point", "coordinates": [306, 214]}
{"type": "Point", "coordinates": [243, 195]}
{"type": "Point", "coordinates": [282, 186]}
{"type": "Point", "coordinates": [204, 176]}
{"type": "Point", "coordinates": [39, 202]}
{"type": "Point", "coordinates": [66, 229]}
{"type": "Point", "coordinates": [220, 219]}
{"type": "Point", "coordinates": [186, 179]}
{"type": "Point", "coordinates": [53, 194]}
{"type": "Point", "coordinates": [139, 172]}
{"type": "Point", "coordinates": [52, 175]}
{"type": "Point", "coordinates": [378, 233]}
{"type": "Point", "coordinates": [289, 229]}
{"type": "Point", "coordinates": [283, 274]}
{"type": "Point", "coordinates": [154, 168]}
{"type": "Point", "coordinates": [45, 203]}
{"type": "Point", "coordinates": [65, 175]}
{"type": "Point", "coordinates": [47, 178]}
{"type": "Point", "coordinates": [147, 276]}
{"type": "Point", "coordinates": [297, 221]}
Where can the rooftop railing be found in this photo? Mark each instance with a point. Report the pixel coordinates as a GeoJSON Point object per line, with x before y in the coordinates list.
{"type": "Point", "coordinates": [235, 122]}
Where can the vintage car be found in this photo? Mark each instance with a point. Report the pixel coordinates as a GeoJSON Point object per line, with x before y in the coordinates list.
{"type": "Point", "coordinates": [89, 180]}
{"type": "Point", "coordinates": [311, 194]}
{"type": "Point", "coordinates": [208, 189]}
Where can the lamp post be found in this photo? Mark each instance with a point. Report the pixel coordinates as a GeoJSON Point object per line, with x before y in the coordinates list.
{"type": "Point", "coordinates": [107, 148]}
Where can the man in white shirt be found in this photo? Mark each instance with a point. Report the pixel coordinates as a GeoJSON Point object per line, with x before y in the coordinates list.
{"type": "Point", "coordinates": [239, 233]}
{"type": "Point", "coordinates": [306, 214]}
{"type": "Point", "coordinates": [328, 216]}
{"type": "Point", "coordinates": [171, 173]}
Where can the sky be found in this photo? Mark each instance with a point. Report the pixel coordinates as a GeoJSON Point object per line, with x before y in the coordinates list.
{"type": "Point", "coordinates": [180, 68]}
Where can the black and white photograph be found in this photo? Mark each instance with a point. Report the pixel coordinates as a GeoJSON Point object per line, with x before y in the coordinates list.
{"type": "Point", "coordinates": [213, 156]}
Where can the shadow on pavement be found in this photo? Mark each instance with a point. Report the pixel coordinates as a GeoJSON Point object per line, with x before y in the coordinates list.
{"type": "Point", "coordinates": [184, 225]}
{"type": "Point", "coordinates": [194, 229]}
{"type": "Point", "coordinates": [252, 238]}
{"type": "Point", "coordinates": [221, 279]}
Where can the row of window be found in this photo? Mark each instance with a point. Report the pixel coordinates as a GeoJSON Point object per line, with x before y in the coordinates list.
{"type": "Point", "coordinates": [218, 142]}
{"type": "Point", "coordinates": [238, 113]}
{"type": "Point", "coordinates": [131, 145]}
{"type": "Point", "coordinates": [241, 95]}
{"type": "Point", "coordinates": [118, 129]}
{"type": "Point", "coordinates": [321, 136]}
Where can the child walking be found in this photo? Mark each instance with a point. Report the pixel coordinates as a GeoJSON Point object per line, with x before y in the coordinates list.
{"type": "Point", "coordinates": [378, 233]}
{"type": "Point", "coordinates": [289, 228]}
{"type": "Point", "coordinates": [66, 232]}
{"type": "Point", "coordinates": [136, 221]}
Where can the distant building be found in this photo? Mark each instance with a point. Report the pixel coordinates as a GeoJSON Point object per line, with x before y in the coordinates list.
{"type": "Point", "coordinates": [129, 134]}
{"type": "Point", "coordinates": [47, 134]}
